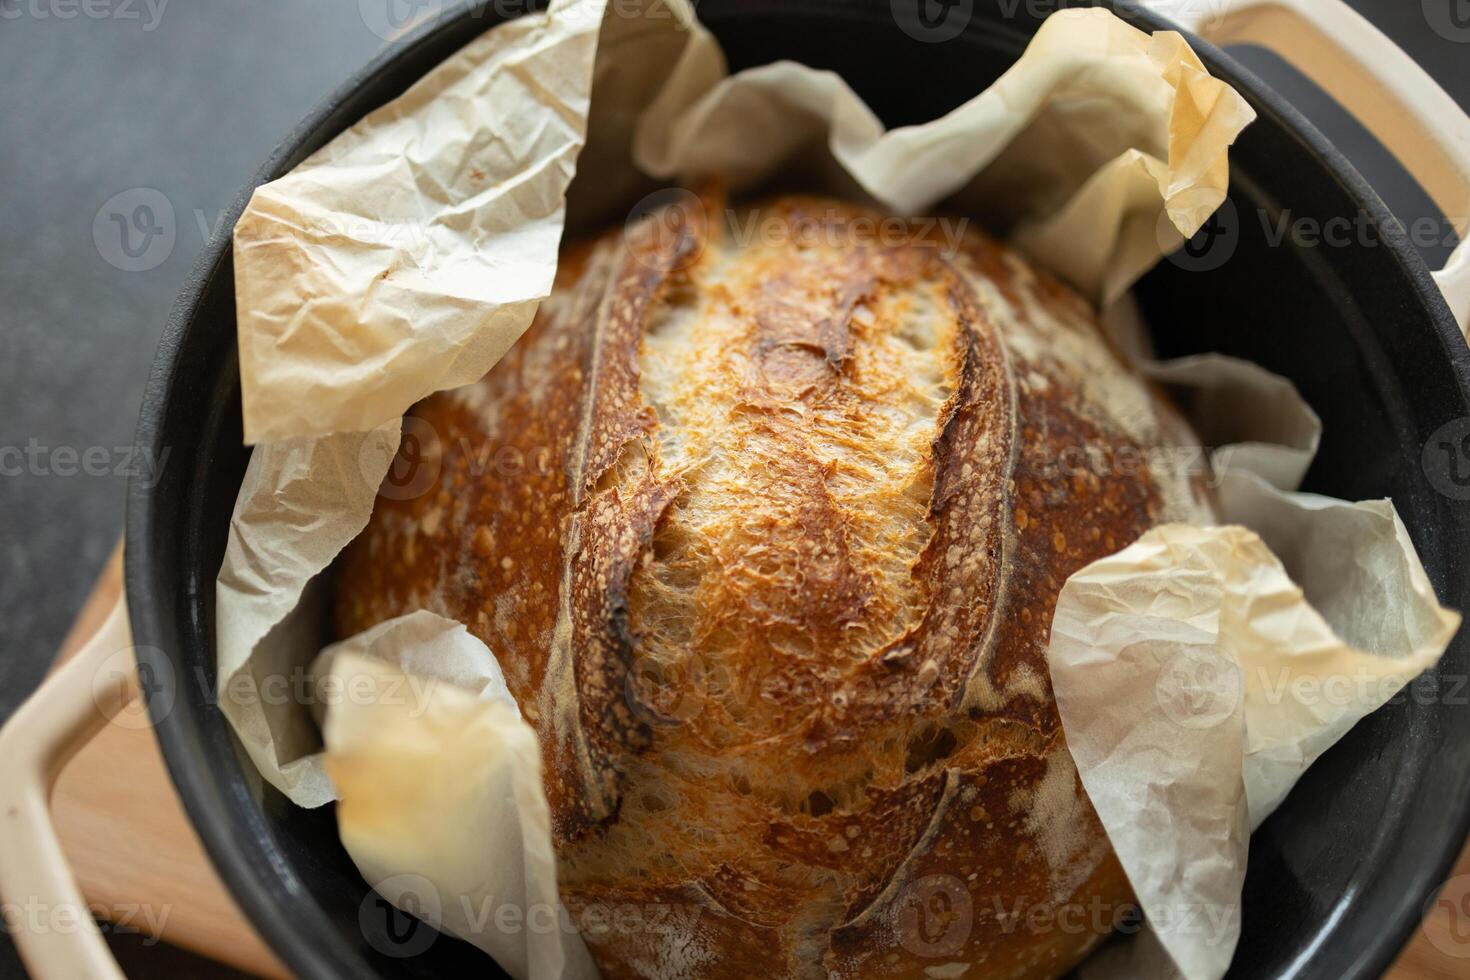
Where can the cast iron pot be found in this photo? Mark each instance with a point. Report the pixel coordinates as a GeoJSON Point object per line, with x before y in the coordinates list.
{"type": "Point", "coordinates": [1338, 877]}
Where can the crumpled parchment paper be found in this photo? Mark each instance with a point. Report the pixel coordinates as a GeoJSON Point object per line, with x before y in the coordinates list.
{"type": "Point", "coordinates": [1196, 681]}
{"type": "Point", "coordinates": [1099, 150]}
{"type": "Point", "coordinates": [1201, 670]}
{"type": "Point", "coordinates": [420, 712]}
{"type": "Point", "coordinates": [408, 254]}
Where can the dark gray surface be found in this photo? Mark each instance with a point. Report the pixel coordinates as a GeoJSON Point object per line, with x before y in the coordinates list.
{"type": "Point", "coordinates": [94, 107]}
{"type": "Point", "coordinates": [187, 105]}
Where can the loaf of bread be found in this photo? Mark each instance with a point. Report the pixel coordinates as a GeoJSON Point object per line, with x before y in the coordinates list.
{"type": "Point", "coordinates": [765, 518]}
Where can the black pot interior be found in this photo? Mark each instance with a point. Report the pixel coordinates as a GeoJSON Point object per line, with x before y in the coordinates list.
{"type": "Point", "coordinates": [1338, 875]}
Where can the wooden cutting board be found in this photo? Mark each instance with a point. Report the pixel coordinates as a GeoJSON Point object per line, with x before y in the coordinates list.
{"type": "Point", "coordinates": [132, 849]}
{"type": "Point", "coordinates": [131, 846]}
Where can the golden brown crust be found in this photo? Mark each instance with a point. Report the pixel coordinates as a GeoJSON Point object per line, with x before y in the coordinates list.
{"type": "Point", "coordinates": [611, 528]}
{"type": "Point", "coordinates": [765, 520]}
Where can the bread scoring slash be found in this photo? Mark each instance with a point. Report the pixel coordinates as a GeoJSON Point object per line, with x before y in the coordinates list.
{"type": "Point", "coordinates": [765, 518]}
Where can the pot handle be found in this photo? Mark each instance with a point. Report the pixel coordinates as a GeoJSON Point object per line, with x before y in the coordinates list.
{"type": "Point", "coordinates": [1371, 77]}
{"type": "Point", "coordinates": [55, 931]}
